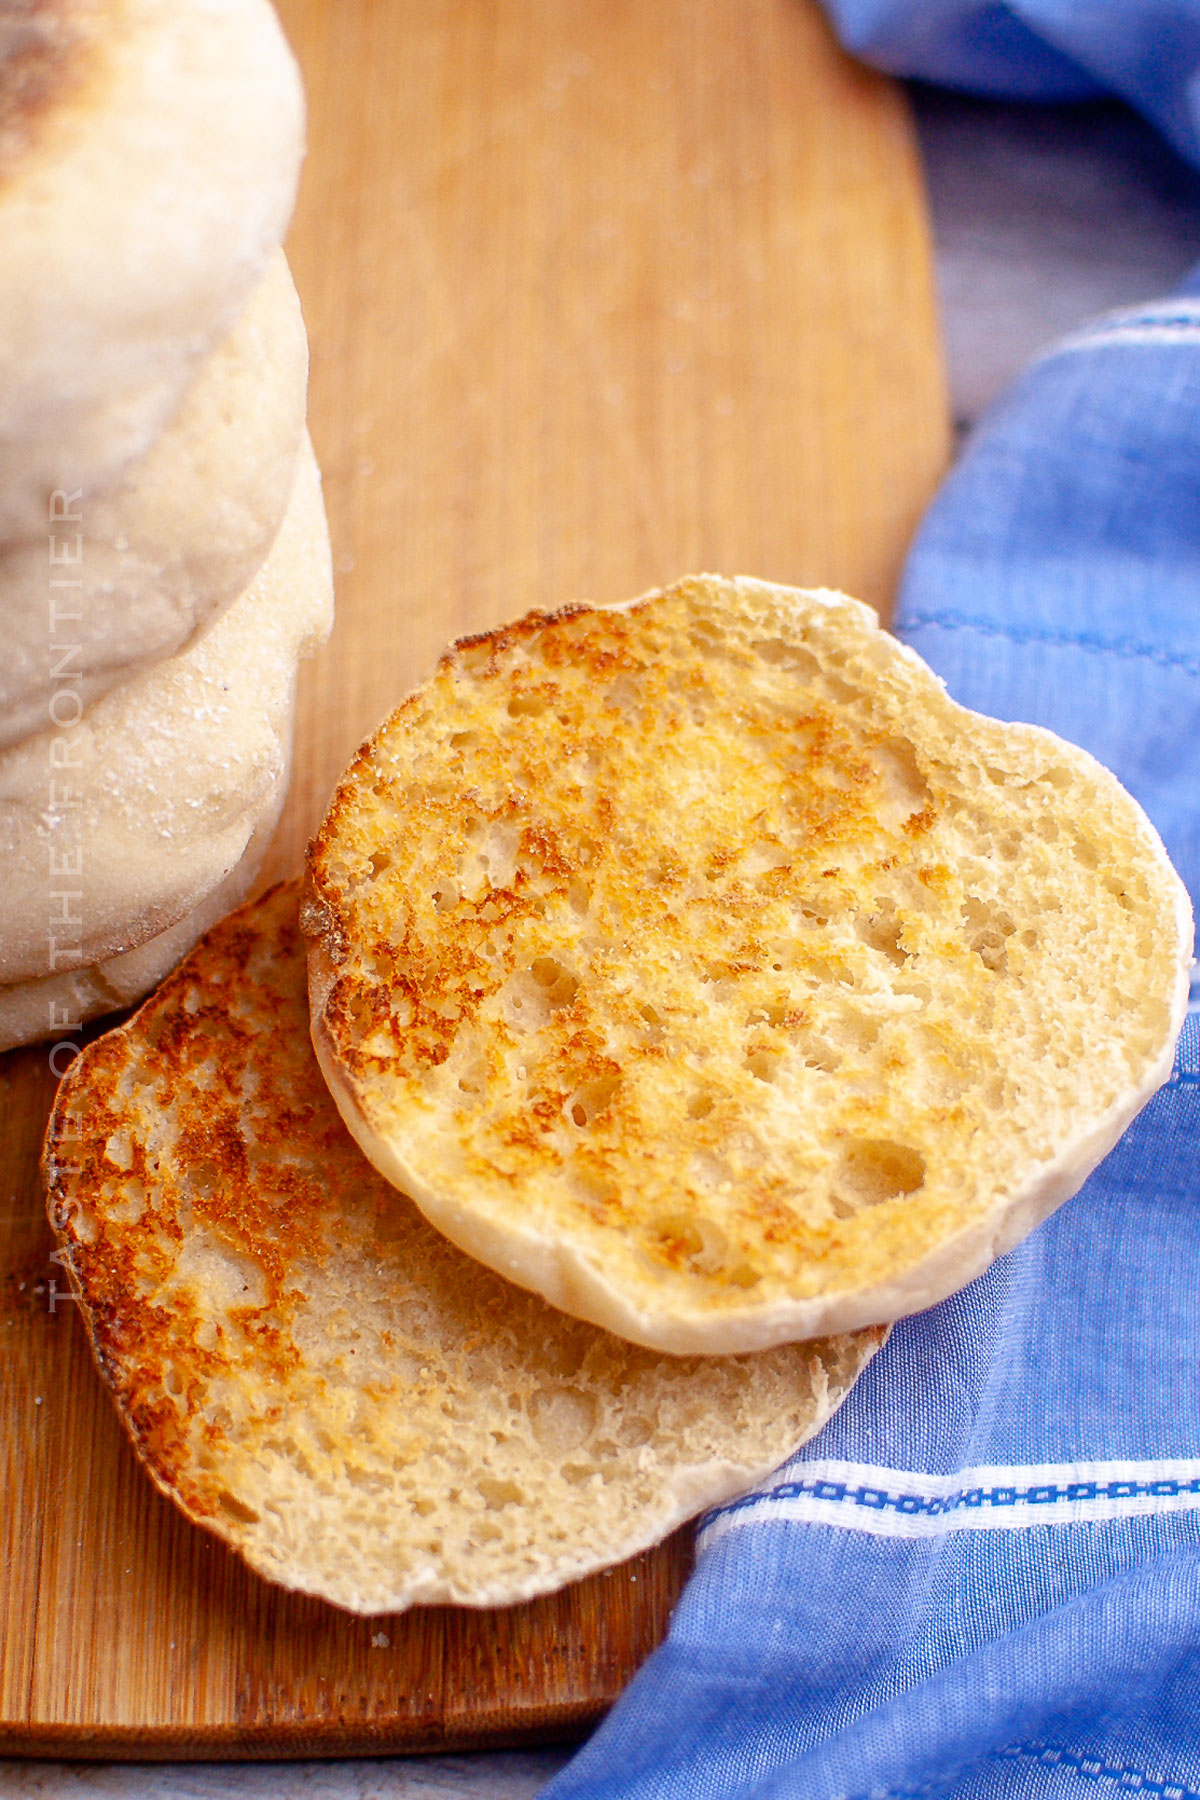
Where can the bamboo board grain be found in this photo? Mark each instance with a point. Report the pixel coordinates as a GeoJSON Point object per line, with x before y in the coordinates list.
{"type": "Point", "coordinates": [598, 293]}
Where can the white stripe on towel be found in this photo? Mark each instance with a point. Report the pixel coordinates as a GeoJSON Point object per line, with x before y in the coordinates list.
{"type": "Point", "coordinates": [1162, 322]}
{"type": "Point", "coordinates": [910, 1504]}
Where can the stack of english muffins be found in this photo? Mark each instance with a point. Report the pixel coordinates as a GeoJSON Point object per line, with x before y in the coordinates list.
{"type": "Point", "coordinates": [164, 560]}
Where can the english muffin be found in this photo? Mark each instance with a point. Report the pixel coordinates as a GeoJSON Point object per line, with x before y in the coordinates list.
{"type": "Point", "coordinates": [149, 152]}
{"type": "Point", "coordinates": [316, 1375]}
{"type": "Point", "coordinates": [702, 966]}
{"type": "Point", "coordinates": [115, 826]}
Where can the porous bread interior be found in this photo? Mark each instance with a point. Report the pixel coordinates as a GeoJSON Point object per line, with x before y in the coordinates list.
{"type": "Point", "coordinates": [315, 1374]}
{"type": "Point", "coordinates": [149, 801]}
{"type": "Point", "coordinates": [701, 965]}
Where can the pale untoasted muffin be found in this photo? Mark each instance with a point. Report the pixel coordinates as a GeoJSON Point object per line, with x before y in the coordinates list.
{"type": "Point", "coordinates": [112, 829]}
{"type": "Point", "coordinates": [55, 1006]}
{"type": "Point", "coordinates": [143, 566]}
{"type": "Point", "coordinates": [149, 151]}
{"type": "Point", "coordinates": [315, 1374]}
{"type": "Point", "coordinates": [702, 966]}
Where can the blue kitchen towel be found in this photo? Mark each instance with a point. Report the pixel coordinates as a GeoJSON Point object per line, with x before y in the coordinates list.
{"type": "Point", "coordinates": [1146, 51]}
{"type": "Point", "coordinates": [983, 1578]}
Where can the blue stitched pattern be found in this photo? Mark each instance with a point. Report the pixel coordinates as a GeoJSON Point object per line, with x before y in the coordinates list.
{"type": "Point", "coordinates": [1147, 319]}
{"type": "Point", "coordinates": [878, 1499]}
{"type": "Point", "coordinates": [1127, 1779]}
{"type": "Point", "coordinates": [1126, 328]}
{"type": "Point", "coordinates": [1021, 634]}
{"type": "Point", "coordinates": [1137, 327]}
{"type": "Point", "coordinates": [1173, 321]}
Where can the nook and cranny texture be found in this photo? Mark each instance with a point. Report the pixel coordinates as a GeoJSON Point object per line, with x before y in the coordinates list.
{"type": "Point", "coordinates": [699, 964]}
{"type": "Point", "coordinates": [318, 1376]}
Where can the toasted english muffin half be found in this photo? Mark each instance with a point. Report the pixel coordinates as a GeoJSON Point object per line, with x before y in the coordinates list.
{"type": "Point", "coordinates": [701, 965]}
{"type": "Point", "coordinates": [149, 151]}
{"type": "Point", "coordinates": [312, 1372]}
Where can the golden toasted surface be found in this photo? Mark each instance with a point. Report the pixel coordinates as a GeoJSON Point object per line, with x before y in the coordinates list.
{"type": "Point", "coordinates": [312, 1372]}
{"type": "Point", "coordinates": [701, 965]}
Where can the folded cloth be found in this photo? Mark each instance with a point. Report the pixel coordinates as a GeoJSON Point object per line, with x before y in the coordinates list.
{"type": "Point", "coordinates": [1146, 51]}
{"type": "Point", "coordinates": [983, 1578]}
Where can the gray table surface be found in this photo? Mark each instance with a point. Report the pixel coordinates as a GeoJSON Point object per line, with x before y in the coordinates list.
{"type": "Point", "coordinates": [1043, 217]}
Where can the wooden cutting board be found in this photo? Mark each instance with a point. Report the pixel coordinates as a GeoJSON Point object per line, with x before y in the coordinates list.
{"type": "Point", "coordinates": [599, 293]}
